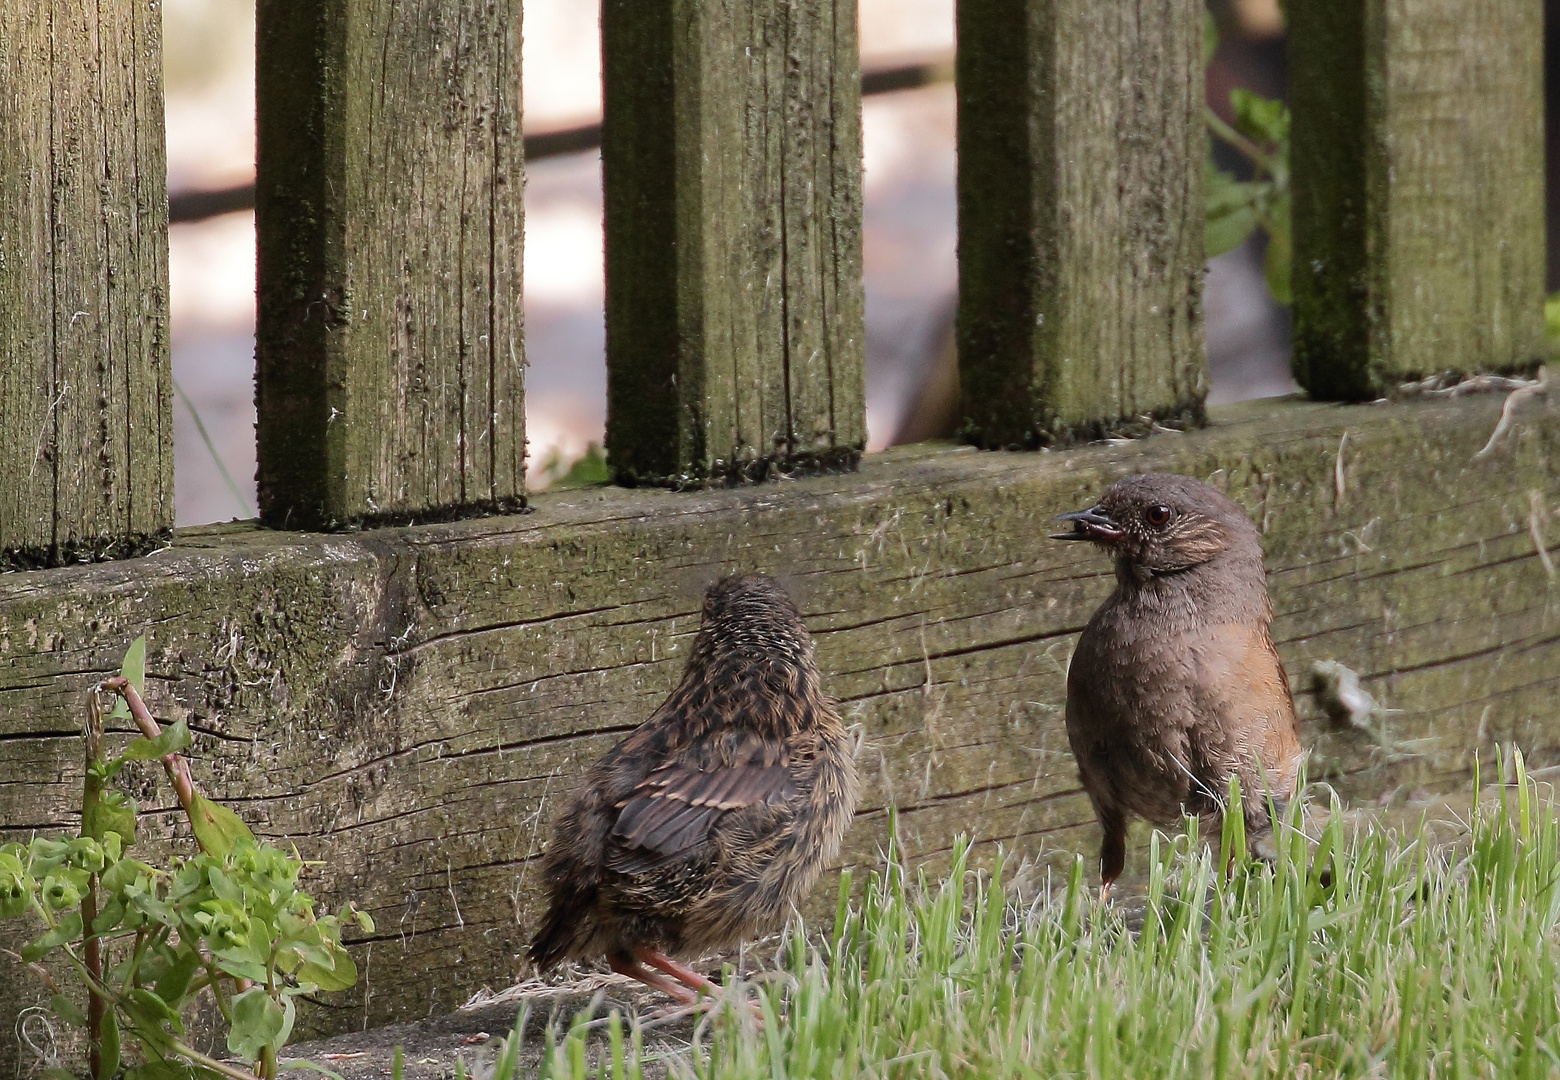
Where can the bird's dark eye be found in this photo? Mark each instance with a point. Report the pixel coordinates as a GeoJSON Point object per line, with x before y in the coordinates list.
{"type": "Point", "coordinates": [1158, 516]}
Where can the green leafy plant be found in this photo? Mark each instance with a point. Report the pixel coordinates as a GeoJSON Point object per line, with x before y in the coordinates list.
{"type": "Point", "coordinates": [146, 940]}
{"type": "Point", "coordinates": [1237, 208]}
{"type": "Point", "coordinates": [588, 470]}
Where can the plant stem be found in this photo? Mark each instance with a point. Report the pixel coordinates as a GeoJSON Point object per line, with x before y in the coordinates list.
{"type": "Point", "coordinates": [91, 796]}
{"type": "Point", "coordinates": [212, 1063]}
{"type": "Point", "coordinates": [268, 1062]}
{"type": "Point", "coordinates": [1249, 149]}
{"type": "Point", "coordinates": [178, 770]}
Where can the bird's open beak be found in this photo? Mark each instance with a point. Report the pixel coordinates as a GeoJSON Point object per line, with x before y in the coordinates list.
{"type": "Point", "coordinates": [1091, 524]}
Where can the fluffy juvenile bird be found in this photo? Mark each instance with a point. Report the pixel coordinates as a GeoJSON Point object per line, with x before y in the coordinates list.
{"type": "Point", "coordinates": [706, 824]}
{"type": "Point", "coordinates": [1175, 685]}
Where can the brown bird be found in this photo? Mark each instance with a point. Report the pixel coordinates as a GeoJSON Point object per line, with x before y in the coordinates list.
{"type": "Point", "coordinates": [714, 817]}
{"type": "Point", "coordinates": [1175, 685]}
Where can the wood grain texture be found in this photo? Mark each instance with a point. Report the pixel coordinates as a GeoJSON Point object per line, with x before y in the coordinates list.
{"type": "Point", "coordinates": [1080, 218]}
{"type": "Point", "coordinates": [86, 422]}
{"type": "Point", "coordinates": [731, 159]}
{"type": "Point", "coordinates": [389, 206]}
{"type": "Point", "coordinates": [1418, 190]}
{"type": "Point", "coordinates": [410, 705]}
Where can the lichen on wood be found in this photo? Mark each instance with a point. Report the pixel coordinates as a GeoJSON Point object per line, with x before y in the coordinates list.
{"type": "Point", "coordinates": [1081, 143]}
{"type": "Point", "coordinates": [389, 203]}
{"type": "Point", "coordinates": [731, 161]}
{"type": "Point", "coordinates": [409, 705]}
{"type": "Point", "coordinates": [86, 421]}
{"type": "Point", "coordinates": [1418, 173]}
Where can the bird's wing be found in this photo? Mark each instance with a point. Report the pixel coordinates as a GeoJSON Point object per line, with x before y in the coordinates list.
{"type": "Point", "coordinates": [1245, 687]}
{"type": "Point", "coordinates": [674, 808]}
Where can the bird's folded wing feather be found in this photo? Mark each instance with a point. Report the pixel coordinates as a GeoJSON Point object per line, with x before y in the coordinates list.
{"type": "Point", "coordinates": [673, 809]}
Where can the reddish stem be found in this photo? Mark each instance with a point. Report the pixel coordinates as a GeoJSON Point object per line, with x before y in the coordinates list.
{"type": "Point", "coordinates": [178, 769]}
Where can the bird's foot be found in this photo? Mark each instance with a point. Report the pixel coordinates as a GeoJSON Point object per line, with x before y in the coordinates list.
{"type": "Point", "coordinates": [699, 983]}
{"type": "Point", "coordinates": [679, 993]}
{"type": "Point", "coordinates": [684, 974]}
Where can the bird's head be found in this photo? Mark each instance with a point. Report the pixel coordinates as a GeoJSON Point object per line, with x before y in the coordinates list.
{"type": "Point", "coordinates": [752, 613]}
{"type": "Point", "coordinates": [1159, 523]}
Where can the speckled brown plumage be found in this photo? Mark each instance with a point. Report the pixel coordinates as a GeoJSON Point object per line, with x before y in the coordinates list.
{"type": "Point", "coordinates": [713, 818]}
{"type": "Point", "coordinates": [1175, 685]}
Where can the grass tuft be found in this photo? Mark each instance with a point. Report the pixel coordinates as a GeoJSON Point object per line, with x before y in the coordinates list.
{"type": "Point", "coordinates": [1358, 953]}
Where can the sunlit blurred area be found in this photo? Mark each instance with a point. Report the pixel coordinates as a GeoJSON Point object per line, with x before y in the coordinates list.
{"type": "Point", "coordinates": [910, 239]}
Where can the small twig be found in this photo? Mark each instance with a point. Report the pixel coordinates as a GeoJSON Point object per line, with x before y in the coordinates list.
{"type": "Point", "coordinates": [211, 448]}
{"type": "Point", "coordinates": [1247, 148]}
{"type": "Point", "coordinates": [1537, 516]}
{"type": "Point", "coordinates": [1338, 483]}
{"type": "Point", "coordinates": [1536, 388]}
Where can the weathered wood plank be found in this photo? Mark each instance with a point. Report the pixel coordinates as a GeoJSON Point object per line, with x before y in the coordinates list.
{"type": "Point", "coordinates": [408, 705]}
{"type": "Point", "coordinates": [731, 160]}
{"type": "Point", "coordinates": [86, 423]}
{"type": "Point", "coordinates": [1418, 177]}
{"type": "Point", "coordinates": [1080, 218]}
{"type": "Point", "coordinates": [389, 204]}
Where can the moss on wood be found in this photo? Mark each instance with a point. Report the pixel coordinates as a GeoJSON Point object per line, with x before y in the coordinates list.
{"type": "Point", "coordinates": [86, 421]}
{"type": "Point", "coordinates": [1418, 190]}
{"type": "Point", "coordinates": [409, 705]}
{"type": "Point", "coordinates": [1080, 219]}
{"type": "Point", "coordinates": [389, 203]}
{"type": "Point", "coordinates": [731, 159]}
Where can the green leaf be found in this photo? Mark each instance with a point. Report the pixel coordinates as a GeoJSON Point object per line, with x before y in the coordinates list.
{"type": "Point", "coordinates": [64, 1008]}
{"type": "Point", "coordinates": [217, 828]}
{"type": "Point", "coordinates": [124, 873]}
{"type": "Point", "coordinates": [246, 961]}
{"type": "Point", "coordinates": [109, 1046]}
{"type": "Point", "coordinates": [67, 929]}
{"type": "Point", "coordinates": [1265, 120]}
{"type": "Point", "coordinates": [134, 670]}
{"type": "Point", "coordinates": [152, 1018]}
{"type": "Point", "coordinates": [328, 968]}
{"type": "Point", "coordinates": [1230, 206]}
{"type": "Point", "coordinates": [112, 812]}
{"type": "Point", "coordinates": [170, 740]}
{"type": "Point", "coordinates": [172, 1070]}
{"type": "Point", "coordinates": [258, 1020]}
{"type": "Point", "coordinates": [1279, 252]}
{"type": "Point", "coordinates": [174, 983]}
{"type": "Point", "coordinates": [110, 917]}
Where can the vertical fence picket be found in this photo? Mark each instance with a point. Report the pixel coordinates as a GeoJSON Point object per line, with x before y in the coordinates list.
{"type": "Point", "coordinates": [1080, 218]}
{"type": "Point", "coordinates": [1418, 165]}
{"type": "Point", "coordinates": [86, 422]}
{"type": "Point", "coordinates": [389, 206]}
{"type": "Point", "coordinates": [732, 166]}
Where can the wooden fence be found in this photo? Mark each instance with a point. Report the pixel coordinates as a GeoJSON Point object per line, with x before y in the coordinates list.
{"type": "Point", "coordinates": [405, 702]}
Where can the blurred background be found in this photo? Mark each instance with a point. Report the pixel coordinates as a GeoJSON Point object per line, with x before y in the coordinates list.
{"type": "Point", "coordinates": [909, 240]}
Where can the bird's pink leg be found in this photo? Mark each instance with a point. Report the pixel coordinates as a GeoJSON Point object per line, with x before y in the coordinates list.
{"type": "Point", "coordinates": [691, 978]}
{"type": "Point", "coordinates": [679, 971]}
{"type": "Point", "coordinates": [625, 966]}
